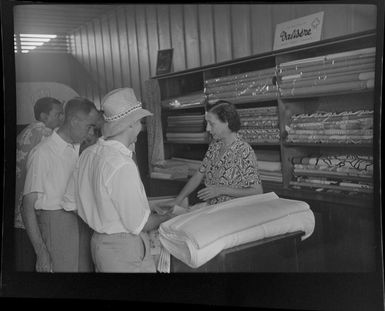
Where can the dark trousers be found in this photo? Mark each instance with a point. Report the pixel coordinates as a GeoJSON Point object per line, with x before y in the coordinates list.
{"type": "Point", "coordinates": [25, 257]}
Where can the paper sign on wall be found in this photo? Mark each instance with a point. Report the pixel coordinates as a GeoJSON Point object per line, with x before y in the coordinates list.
{"type": "Point", "coordinates": [298, 31]}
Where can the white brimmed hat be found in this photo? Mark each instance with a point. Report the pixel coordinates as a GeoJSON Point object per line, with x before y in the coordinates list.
{"type": "Point", "coordinates": [121, 109]}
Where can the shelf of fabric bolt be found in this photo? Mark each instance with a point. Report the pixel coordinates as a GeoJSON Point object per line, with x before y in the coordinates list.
{"type": "Point", "coordinates": [275, 254]}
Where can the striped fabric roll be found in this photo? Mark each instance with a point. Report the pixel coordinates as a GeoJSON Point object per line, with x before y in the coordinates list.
{"type": "Point", "coordinates": [339, 72]}
{"type": "Point", "coordinates": [342, 172]}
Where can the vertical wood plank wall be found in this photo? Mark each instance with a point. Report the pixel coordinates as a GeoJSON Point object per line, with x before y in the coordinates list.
{"type": "Point", "coordinates": [120, 49]}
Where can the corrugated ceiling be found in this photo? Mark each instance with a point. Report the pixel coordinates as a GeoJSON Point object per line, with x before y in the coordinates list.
{"type": "Point", "coordinates": [55, 18]}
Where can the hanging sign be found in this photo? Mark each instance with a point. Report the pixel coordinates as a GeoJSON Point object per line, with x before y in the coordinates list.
{"type": "Point", "coordinates": [298, 31]}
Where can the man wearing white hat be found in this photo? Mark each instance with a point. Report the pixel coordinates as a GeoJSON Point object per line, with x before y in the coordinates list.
{"type": "Point", "coordinates": [108, 194]}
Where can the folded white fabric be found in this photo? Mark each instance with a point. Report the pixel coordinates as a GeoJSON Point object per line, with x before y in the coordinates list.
{"type": "Point", "coordinates": [198, 236]}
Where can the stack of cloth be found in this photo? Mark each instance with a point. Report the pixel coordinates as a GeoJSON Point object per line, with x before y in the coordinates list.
{"type": "Point", "coordinates": [269, 165]}
{"type": "Point", "coordinates": [199, 235]}
{"type": "Point", "coordinates": [328, 127]}
{"type": "Point", "coordinates": [259, 125]}
{"type": "Point", "coordinates": [256, 85]}
{"type": "Point", "coordinates": [175, 168]}
{"type": "Point", "coordinates": [343, 173]}
{"type": "Point", "coordinates": [188, 128]}
{"type": "Point", "coordinates": [190, 100]}
{"type": "Point", "coordinates": [339, 72]}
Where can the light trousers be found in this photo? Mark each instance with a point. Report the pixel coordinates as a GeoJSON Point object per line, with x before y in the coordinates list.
{"type": "Point", "coordinates": [122, 253]}
{"type": "Point", "coordinates": [67, 239]}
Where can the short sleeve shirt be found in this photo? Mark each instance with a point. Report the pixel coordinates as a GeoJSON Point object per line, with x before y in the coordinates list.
{"type": "Point", "coordinates": [236, 167]}
{"type": "Point", "coordinates": [25, 142]}
{"type": "Point", "coordinates": [106, 189]}
{"type": "Point", "coordinates": [49, 167]}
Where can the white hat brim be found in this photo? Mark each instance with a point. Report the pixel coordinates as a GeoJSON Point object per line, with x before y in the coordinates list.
{"type": "Point", "coordinates": [113, 128]}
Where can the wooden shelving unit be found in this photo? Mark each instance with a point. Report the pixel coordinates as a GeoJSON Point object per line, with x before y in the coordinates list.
{"type": "Point", "coordinates": [327, 206]}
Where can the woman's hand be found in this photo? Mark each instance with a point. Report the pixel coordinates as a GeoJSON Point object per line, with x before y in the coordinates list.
{"type": "Point", "coordinates": [164, 208]}
{"type": "Point", "coordinates": [210, 192]}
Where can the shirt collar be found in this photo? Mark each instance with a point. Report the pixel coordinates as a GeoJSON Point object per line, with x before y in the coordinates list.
{"type": "Point", "coordinates": [61, 143]}
{"type": "Point", "coordinates": [116, 145]}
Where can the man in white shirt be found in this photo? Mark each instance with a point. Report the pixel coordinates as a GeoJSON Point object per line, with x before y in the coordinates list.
{"type": "Point", "coordinates": [108, 193]}
{"type": "Point", "coordinates": [49, 115]}
{"type": "Point", "coordinates": [54, 232]}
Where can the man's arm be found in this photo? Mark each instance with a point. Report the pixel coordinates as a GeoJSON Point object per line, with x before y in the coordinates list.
{"type": "Point", "coordinates": [154, 220]}
{"type": "Point", "coordinates": [43, 258]}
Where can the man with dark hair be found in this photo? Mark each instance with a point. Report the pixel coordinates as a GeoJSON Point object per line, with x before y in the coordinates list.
{"type": "Point", "coordinates": [48, 113]}
{"type": "Point", "coordinates": [55, 233]}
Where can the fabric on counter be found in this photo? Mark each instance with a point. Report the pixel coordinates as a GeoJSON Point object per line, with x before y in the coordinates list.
{"type": "Point", "coordinates": [173, 165]}
{"type": "Point", "coordinates": [198, 236]}
{"type": "Point", "coordinates": [193, 99]}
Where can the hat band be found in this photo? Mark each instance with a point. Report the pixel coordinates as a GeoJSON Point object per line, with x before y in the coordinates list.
{"type": "Point", "coordinates": [123, 114]}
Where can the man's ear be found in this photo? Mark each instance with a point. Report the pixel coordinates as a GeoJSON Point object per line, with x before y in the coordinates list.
{"type": "Point", "coordinates": [74, 120]}
{"type": "Point", "coordinates": [43, 117]}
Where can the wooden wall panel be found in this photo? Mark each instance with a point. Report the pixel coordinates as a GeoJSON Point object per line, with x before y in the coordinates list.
{"type": "Point", "coordinates": [282, 13]}
{"type": "Point", "coordinates": [133, 50]}
{"type": "Point", "coordinates": [123, 45]}
{"type": "Point", "coordinates": [79, 56]}
{"type": "Point", "coordinates": [93, 59]}
{"type": "Point", "coordinates": [164, 31]}
{"type": "Point", "coordinates": [121, 50]}
{"type": "Point", "coordinates": [222, 32]}
{"type": "Point", "coordinates": [100, 56]}
{"type": "Point", "coordinates": [115, 50]}
{"type": "Point", "coordinates": [177, 37]}
{"type": "Point", "coordinates": [106, 41]}
{"type": "Point", "coordinates": [192, 36]}
{"type": "Point", "coordinates": [86, 58]}
{"type": "Point", "coordinates": [241, 30]}
{"type": "Point", "coordinates": [141, 31]}
{"type": "Point", "coordinates": [206, 34]}
{"type": "Point", "coordinates": [262, 31]}
{"type": "Point", "coordinates": [335, 21]}
{"type": "Point", "coordinates": [363, 17]}
{"type": "Point", "coordinates": [152, 37]}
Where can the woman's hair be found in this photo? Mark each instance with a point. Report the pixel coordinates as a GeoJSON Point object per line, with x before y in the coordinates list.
{"type": "Point", "coordinates": [226, 112]}
{"type": "Point", "coordinates": [45, 105]}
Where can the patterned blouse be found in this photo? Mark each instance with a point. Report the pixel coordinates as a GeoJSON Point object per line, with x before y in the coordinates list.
{"type": "Point", "coordinates": [236, 168]}
{"type": "Point", "coordinates": [26, 141]}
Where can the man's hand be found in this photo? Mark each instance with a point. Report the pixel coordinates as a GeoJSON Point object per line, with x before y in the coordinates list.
{"type": "Point", "coordinates": [210, 192]}
{"type": "Point", "coordinates": [43, 261]}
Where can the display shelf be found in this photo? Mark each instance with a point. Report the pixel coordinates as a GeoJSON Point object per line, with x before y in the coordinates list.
{"type": "Point", "coordinates": [328, 145]}
{"type": "Point", "coordinates": [241, 71]}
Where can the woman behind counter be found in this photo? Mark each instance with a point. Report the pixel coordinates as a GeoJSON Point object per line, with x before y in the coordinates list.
{"type": "Point", "coordinates": [229, 168]}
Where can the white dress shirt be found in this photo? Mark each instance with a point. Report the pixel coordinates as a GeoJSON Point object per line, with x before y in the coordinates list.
{"type": "Point", "coordinates": [107, 191]}
{"type": "Point", "coordinates": [49, 167]}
